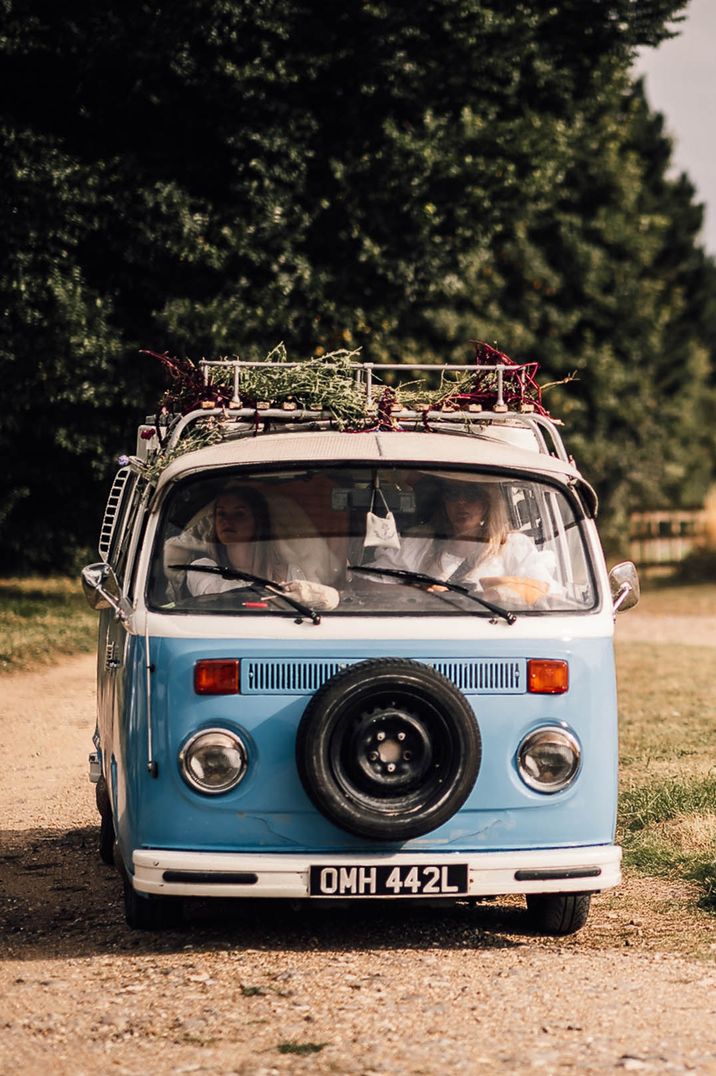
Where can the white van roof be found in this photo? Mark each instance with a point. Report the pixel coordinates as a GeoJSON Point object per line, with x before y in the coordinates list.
{"type": "Point", "coordinates": [437, 449]}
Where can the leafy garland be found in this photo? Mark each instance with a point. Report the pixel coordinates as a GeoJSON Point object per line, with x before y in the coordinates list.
{"type": "Point", "coordinates": [326, 384]}
{"type": "Point", "coordinates": [316, 384]}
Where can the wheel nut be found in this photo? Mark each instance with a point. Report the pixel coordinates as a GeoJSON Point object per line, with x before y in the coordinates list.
{"type": "Point", "coordinates": [407, 755]}
{"type": "Point", "coordinates": [391, 767]}
{"type": "Point", "coordinates": [380, 737]}
{"type": "Point", "coordinates": [373, 756]}
{"type": "Point", "coordinates": [401, 736]}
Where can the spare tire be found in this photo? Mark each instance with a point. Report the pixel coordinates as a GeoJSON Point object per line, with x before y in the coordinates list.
{"type": "Point", "coordinates": [388, 749]}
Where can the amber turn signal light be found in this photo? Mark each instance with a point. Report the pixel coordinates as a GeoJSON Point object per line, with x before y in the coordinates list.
{"type": "Point", "coordinates": [217, 676]}
{"type": "Point", "coordinates": [547, 677]}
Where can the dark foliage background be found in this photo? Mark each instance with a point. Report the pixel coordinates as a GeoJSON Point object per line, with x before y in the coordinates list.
{"type": "Point", "coordinates": [213, 176]}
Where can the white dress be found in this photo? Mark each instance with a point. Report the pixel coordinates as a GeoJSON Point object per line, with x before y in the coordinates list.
{"type": "Point", "coordinates": [517, 557]}
{"type": "Point", "coordinates": [306, 563]}
{"type": "Point", "coordinates": [316, 595]}
{"type": "Point", "coordinates": [211, 583]}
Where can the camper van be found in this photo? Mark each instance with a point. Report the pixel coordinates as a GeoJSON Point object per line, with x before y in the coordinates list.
{"type": "Point", "coordinates": [364, 664]}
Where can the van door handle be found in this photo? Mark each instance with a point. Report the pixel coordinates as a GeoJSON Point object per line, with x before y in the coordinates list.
{"type": "Point", "coordinates": [111, 661]}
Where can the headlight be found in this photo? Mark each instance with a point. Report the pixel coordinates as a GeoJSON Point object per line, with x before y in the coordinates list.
{"type": "Point", "coordinates": [548, 759]}
{"type": "Point", "coordinates": [213, 760]}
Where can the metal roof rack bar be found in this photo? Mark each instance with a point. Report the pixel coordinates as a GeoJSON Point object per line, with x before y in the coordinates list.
{"type": "Point", "coordinates": [543, 428]}
{"type": "Point", "coordinates": [366, 368]}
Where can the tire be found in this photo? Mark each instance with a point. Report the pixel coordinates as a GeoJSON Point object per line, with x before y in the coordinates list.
{"type": "Point", "coordinates": [558, 913]}
{"type": "Point", "coordinates": [150, 912]}
{"type": "Point", "coordinates": [106, 825]}
{"type": "Point", "coordinates": [388, 749]}
{"type": "Point", "coordinates": [106, 839]}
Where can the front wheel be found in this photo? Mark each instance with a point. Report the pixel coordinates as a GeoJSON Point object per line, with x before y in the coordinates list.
{"type": "Point", "coordinates": [106, 824]}
{"type": "Point", "coordinates": [106, 839]}
{"type": "Point", "coordinates": [558, 913]}
{"type": "Point", "coordinates": [144, 912]}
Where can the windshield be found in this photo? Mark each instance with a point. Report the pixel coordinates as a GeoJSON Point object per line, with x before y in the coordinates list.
{"type": "Point", "coordinates": [366, 540]}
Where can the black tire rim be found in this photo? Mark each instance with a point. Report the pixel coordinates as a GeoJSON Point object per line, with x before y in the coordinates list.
{"type": "Point", "coordinates": [396, 755]}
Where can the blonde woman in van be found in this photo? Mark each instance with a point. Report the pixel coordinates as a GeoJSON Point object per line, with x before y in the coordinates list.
{"type": "Point", "coordinates": [468, 540]}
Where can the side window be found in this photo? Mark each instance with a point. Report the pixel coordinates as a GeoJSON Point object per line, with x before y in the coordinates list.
{"type": "Point", "coordinates": [568, 545]}
{"type": "Point", "coordinates": [546, 517]}
{"type": "Point", "coordinates": [525, 513]}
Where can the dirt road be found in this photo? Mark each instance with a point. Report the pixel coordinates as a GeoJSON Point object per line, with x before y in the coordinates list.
{"type": "Point", "coordinates": [268, 990]}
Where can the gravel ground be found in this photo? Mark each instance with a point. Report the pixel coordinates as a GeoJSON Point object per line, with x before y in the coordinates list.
{"type": "Point", "coordinates": [266, 989]}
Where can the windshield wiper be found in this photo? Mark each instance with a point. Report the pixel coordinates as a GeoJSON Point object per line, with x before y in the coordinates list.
{"type": "Point", "coordinates": [420, 577]}
{"type": "Point", "coordinates": [268, 584]}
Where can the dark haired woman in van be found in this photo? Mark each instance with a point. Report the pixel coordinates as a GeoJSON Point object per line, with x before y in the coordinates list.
{"type": "Point", "coordinates": [241, 536]}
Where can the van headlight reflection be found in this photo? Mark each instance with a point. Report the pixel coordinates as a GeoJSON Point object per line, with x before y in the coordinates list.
{"type": "Point", "coordinates": [213, 760]}
{"type": "Point", "coordinates": [548, 759]}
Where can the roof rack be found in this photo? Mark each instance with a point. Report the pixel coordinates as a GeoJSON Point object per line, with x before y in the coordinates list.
{"type": "Point", "coordinates": [363, 373]}
{"type": "Point", "coordinates": [509, 406]}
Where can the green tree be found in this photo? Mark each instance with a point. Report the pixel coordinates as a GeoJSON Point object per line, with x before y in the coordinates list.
{"type": "Point", "coordinates": [610, 283]}
{"type": "Point", "coordinates": [56, 353]}
{"type": "Point", "coordinates": [217, 175]}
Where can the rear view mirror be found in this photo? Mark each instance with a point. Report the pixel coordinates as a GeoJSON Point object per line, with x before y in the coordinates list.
{"type": "Point", "coordinates": [624, 584]}
{"type": "Point", "coordinates": [101, 588]}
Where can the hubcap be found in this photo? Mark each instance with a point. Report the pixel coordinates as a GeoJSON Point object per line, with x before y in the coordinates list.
{"type": "Point", "coordinates": [391, 748]}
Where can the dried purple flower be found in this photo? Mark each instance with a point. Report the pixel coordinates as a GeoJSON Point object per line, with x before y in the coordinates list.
{"type": "Point", "coordinates": [122, 460]}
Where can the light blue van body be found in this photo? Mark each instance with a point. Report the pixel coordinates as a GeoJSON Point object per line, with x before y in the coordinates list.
{"type": "Point", "coordinates": [270, 810]}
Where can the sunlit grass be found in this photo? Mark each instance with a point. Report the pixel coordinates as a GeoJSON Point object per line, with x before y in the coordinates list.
{"type": "Point", "coordinates": [667, 706]}
{"type": "Point", "coordinates": [42, 620]}
{"type": "Point", "coordinates": [667, 810]}
{"type": "Point", "coordinates": [667, 802]}
{"type": "Point", "coordinates": [670, 829]}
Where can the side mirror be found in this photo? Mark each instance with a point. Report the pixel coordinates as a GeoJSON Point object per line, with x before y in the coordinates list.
{"type": "Point", "coordinates": [624, 584]}
{"type": "Point", "coordinates": [101, 588]}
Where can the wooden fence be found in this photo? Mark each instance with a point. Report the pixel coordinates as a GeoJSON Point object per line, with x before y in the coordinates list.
{"type": "Point", "coordinates": [665, 537]}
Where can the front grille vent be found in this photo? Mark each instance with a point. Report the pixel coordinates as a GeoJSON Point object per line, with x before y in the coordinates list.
{"type": "Point", "coordinates": [502, 677]}
{"type": "Point", "coordinates": [287, 677]}
{"type": "Point", "coordinates": [497, 676]}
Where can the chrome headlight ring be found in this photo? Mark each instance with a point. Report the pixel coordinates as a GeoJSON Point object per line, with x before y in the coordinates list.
{"type": "Point", "coordinates": [213, 760]}
{"type": "Point", "coordinates": [549, 758]}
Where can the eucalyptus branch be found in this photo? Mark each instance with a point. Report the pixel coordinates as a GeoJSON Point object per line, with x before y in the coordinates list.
{"type": "Point", "coordinates": [574, 376]}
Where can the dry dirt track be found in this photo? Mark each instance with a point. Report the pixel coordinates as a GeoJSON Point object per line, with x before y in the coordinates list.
{"type": "Point", "coordinates": [263, 991]}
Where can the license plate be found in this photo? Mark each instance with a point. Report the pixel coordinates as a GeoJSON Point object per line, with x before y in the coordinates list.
{"type": "Point", "coordinates": [384, 880]}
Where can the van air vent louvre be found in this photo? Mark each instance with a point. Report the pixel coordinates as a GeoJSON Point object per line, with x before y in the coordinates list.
{"type": "Point", "coordinates": [499, 676]}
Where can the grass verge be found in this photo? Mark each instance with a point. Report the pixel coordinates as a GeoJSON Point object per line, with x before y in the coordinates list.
{"type": "Point", "coordinates": [669, 829]}
{"type": "Point", "coordinates": [42, 620]}
{"type": "Point", "coordinates": [667, 809]}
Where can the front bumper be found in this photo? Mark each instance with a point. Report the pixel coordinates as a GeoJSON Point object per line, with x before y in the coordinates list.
{"type": "Point", "coordinates": [227, 874]}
